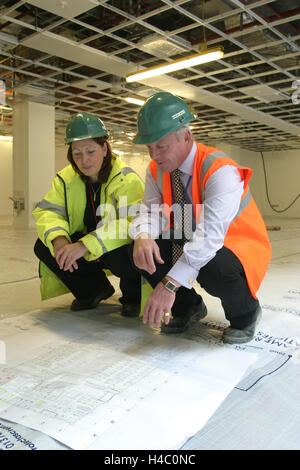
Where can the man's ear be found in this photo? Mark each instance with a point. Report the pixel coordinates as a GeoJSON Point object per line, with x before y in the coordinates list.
{"type": "Point", "coordinates": [187, 135]}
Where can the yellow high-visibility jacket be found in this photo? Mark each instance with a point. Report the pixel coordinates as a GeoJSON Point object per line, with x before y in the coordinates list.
{"type": "Point", "coordinates": [61, 213]}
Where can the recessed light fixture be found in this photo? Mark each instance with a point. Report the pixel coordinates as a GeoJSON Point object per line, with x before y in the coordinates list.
{"type": "Point", "coordinates": [132, 100]}
{"type": "Point", "coordinates": [203, 57]}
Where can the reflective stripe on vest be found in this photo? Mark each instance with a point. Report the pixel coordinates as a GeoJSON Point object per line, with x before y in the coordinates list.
{"type": "Point", "coordinates": [126, 170]}
{"type": "Point", "coordinates": [53, 229]}
{"type": "Point", "coordinates": [100, 241]}
{"type": "Point", "coordinates": [209, 160]}
{"type": "Point", "coordinates": [245, 201]}
{"type": "Point", "coordinates": [49, 206]}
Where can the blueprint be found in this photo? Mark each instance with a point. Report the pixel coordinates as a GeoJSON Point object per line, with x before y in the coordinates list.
{"type": "Point", "coordinates": [99, 381]}
{"type": "Point", "coordinates": [262, 411]}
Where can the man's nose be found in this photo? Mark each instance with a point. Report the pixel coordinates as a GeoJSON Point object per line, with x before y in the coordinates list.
{"type": "Point", "coordinates": [154, 153]}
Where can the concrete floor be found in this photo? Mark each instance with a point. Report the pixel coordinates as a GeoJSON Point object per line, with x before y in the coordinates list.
{"type": "Point", "coordinates": [255, 423]}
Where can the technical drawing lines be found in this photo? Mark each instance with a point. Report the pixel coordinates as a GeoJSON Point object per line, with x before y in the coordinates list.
{"type": "Point", "coordinates": [250, 381]}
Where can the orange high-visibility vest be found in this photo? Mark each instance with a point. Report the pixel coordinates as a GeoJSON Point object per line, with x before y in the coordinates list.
{"type": "Point", "coordinates": [247, 236]}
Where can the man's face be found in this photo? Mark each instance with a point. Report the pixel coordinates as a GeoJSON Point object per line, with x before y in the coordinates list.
{"type": "Point", "coordinates": [170, 151]}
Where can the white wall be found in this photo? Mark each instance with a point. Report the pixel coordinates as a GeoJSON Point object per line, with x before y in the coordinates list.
{"type": "Point", "coordinates": [138, 162]}
{"type": "Point", "coordinates": [61, 157]}
{"type": "Point", "coordinates": [6, 184]}
{"type": "Point", "coordinates": [282, 170]}
{"type": "Point", "coordinates": [33, 156]}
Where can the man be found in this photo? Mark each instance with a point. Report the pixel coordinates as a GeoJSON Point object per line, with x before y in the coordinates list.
{"type": "Point", "coordinates": [227, 250]}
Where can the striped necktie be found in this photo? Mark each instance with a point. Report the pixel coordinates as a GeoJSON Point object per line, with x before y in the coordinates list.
{"type": "Point", "coordinates": [182, 217]}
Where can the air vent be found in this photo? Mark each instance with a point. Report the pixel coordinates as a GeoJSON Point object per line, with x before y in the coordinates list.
{"type": "Point", "coordinates": [159, 45]}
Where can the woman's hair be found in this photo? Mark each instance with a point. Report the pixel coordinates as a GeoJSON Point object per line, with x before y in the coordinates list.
{"type": "Point", "coordinates": [106, 165]}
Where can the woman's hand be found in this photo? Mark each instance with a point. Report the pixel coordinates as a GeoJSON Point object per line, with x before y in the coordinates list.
{"type": "Point", "coordinates": [58, 243]}
{"type": "Point", "coordinates": [67, 255]}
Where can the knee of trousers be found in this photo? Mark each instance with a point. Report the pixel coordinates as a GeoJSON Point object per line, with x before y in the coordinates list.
{"type": "Point", "coordinates": [219, 273]}
{"type": "Point", "coordinates": [39, 249]}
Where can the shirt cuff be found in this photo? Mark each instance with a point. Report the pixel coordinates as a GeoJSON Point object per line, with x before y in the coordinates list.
{"type": "Point", "coordinates": [134, 231]}
{"type": "Point", "coordinates": [183, 273]}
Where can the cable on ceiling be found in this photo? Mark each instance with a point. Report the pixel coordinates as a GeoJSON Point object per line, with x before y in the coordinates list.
{"type": "Point", "coordinates": [267, 191]}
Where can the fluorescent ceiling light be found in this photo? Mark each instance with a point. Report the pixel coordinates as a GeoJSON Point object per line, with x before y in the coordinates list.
{"type": "Point", "coordinates": [132, 100]}
{"type": "Point", "coordinates": [186, 62]}
{"type": "Point", "coordinates": [4, 107]}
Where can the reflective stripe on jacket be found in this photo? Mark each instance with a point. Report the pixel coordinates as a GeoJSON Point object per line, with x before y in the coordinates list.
{"type": "Point", "coordinates": [247, 236]}
{"type": "Point", "coordinates": [61, 213]}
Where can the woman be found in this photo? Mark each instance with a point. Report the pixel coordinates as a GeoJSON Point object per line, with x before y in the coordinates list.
{"type": "Point", "coordinates": [82, 222]}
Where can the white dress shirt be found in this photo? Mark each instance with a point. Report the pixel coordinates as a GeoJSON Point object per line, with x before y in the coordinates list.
{"type": "Point", "coordinates": [222, 196]}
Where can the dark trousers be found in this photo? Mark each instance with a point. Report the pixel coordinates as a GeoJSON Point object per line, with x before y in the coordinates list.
{"type": "Point", "coordinates": [222, 277]}
{"type": "Point", "coordinates": [89, 279]}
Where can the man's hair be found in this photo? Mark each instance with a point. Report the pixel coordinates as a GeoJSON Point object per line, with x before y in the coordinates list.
{"type": "Point", "coordinates": [181, 130]}
{"type": "Point", "coordinates": [106, 165]}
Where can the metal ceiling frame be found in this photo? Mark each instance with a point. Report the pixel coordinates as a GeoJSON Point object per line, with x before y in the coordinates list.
{"type": "Point", "coordinates": [262, 122]}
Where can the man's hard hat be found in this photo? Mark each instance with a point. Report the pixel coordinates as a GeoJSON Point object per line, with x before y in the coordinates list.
{"type": "Point", "coordinates": [162, 114]}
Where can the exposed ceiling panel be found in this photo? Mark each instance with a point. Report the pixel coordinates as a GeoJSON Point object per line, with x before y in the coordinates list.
{"type": "Point", "coordinates": [214, 100]}
{"type": "Point", "coordinates": [75, 54]}
{"type": "Point", "coordinates": [79, 53]}
{"type": "Point", "coordinates": [65, 8]}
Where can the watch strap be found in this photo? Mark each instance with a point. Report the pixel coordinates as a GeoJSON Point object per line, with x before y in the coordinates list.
{"type": "Point", "coordinates": [169, 285]}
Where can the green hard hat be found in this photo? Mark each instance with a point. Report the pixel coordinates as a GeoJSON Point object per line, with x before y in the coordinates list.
{"type": "Point", "coordinates": [85, 126]}
{"type": "Point", "coordinates": [162, 114]}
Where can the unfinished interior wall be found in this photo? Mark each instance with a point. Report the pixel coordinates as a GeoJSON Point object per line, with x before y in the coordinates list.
{"type": "Point", "coordinates": [282, 173]}
{"type": "Point", "coordinates": [61, 157]}
{"type": "Point", "coordinates": [6, 187]}
{"type": "Point", "coordinates": [138, 162]}
{"type": "Point", "coordinates": [282, 169]}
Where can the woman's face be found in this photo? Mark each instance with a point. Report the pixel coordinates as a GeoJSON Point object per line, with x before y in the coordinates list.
{"type": "Point", "coordinates": [89, 156]}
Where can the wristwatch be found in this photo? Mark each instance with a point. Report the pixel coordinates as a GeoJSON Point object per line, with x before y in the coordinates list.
{"type": "Point", "coordinates": [169, 285]}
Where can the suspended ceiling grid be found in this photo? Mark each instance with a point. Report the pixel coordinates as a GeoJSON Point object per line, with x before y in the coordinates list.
{"type": "Point", "coordinates": [75, 54]}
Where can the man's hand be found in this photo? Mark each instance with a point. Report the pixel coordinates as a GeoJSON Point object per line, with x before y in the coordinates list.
{"type": "Point", "coordinates": [159, 303]}
{"type": "Point", "coordinates": [67, 255]}
{"type": "Point", "coordinates": [145, 251]}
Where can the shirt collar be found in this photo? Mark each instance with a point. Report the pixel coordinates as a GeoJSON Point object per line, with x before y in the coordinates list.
{"type": "Point", "coordinates": [188, 164]}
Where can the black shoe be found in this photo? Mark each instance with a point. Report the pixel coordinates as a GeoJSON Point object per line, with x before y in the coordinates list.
{"type": "Point", "coordinates": [242, 335]}
{"type": "Point", "coordinates": [130, 310]}
{"type": "Point", "coordinates": [180, 324]}
{"type": "Point", "coordinates": [86, 304]}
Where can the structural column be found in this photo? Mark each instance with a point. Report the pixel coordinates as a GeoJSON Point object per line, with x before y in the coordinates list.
{"type": "Point", "coordinates": [33, 158]}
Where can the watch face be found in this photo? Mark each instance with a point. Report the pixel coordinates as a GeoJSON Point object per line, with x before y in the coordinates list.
{"type": "Point", "coordinates": [170, 285]}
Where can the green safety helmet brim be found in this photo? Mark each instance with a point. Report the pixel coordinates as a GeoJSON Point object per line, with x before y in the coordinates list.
{"type": "Point", "coordinates": [162, 114]}
{"type": "Point", "coordinates": [85, 126]}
